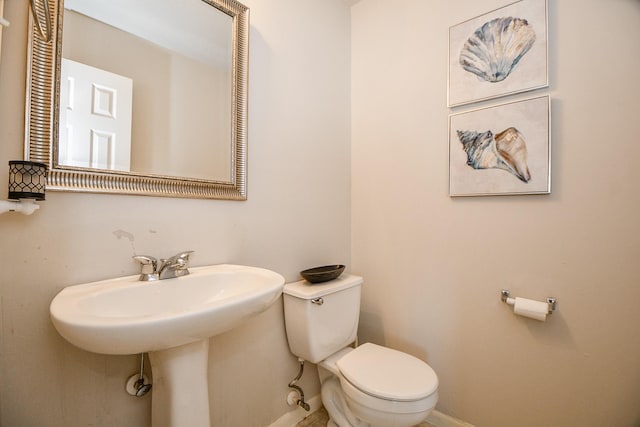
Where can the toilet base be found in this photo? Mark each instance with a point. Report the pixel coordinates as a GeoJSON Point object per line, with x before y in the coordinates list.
{"type": "Point", "coordinates": [334, 402]}
{"type": "Point", "coordinates": [385, 419]}
{"type": "Point", "coordinates": [345, 412]}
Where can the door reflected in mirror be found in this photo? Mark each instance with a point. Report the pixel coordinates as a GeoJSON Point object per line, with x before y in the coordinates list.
{"type": "Point", "coordinates": [95, 118]}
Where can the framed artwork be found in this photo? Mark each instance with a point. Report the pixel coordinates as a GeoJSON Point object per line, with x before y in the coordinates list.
{"type": "Point", "coordinates": [501, 150]}
{"type": "Point", "coordinates": [499, 53]}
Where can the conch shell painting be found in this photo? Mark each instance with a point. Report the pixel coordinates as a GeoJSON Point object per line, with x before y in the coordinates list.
{"type": "Point", "coordinates": [493, 50]}
{"type": "Point", "coordinates": [506, 150]}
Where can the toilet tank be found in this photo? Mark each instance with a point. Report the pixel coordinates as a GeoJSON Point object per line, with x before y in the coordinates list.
{"type": "Point", "coordinates": [323, 318]}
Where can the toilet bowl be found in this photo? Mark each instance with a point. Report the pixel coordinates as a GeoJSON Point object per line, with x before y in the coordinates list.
{"type": "Point", "coordinates": [369, 385]}
{"type": "Point", "coordinates": [380, 386]}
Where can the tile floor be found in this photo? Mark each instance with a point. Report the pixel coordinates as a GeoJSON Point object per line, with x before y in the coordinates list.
{"type": "Point", "coordinates": [319, 419]}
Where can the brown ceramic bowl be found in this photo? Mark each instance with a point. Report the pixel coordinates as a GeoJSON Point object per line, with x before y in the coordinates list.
{"type": "Point", "coordinates": [322, 274]}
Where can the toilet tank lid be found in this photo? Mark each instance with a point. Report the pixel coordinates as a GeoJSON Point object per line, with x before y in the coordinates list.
{"type": "Point", "coordinates": [305, 290]}
{"type": "Point", "coordinates": [387, 373]}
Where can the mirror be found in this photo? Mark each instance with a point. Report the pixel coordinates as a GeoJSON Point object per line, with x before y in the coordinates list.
{"type": "Point", "coordinates": [148, 102]}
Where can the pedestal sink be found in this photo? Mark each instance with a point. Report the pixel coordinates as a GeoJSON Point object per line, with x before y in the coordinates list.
{"type": "Point", "coordinates": [171, 319]}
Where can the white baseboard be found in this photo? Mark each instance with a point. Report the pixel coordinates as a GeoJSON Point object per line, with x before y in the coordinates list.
{"type": "Point", "coordinates": [439, 419]}
{"type": "Point", "coordinates": [290, 419]}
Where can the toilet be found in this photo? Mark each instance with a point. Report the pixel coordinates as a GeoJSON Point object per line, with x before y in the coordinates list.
{"type": "Point", "coordinates": [365, 386]}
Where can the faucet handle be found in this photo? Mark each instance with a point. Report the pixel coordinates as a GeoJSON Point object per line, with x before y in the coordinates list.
{"type": "Point", "coordinates": [183, 258]}
{"type": "Point", "coordinates": [176, 266]}
{"type": "Point", "coordinates": [179, 261]}
{"type": "Point", "coordinates": [149, 267]}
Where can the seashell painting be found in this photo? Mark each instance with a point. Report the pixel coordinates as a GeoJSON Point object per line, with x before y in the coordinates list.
{"type": "Point", "coordinates": [494, 50]}
{"type": "Point", "coordinates": [501, 149]}
{"type": "Point", "coordinates": [506, 150]}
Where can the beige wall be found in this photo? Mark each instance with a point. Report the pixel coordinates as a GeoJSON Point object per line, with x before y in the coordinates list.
{"type": "Point", "coordinates": [434, 265]}
{"type": "Point", "coordinates": [297, 216]}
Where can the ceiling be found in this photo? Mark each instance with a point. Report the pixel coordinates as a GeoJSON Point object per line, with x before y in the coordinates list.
{"type": "Point", "coordinates": [148, 21]}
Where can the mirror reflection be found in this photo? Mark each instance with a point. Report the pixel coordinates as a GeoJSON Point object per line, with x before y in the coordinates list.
{"type": "Point", "coordinates": [148, 91]}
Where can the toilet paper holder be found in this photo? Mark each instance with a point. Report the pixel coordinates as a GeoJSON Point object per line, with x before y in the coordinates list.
{"type": "Point", "coordinates": [551, 302]}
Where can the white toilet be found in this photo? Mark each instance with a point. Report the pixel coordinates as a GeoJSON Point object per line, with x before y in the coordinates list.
{"type": "Point", "coordinates": [369, 385]}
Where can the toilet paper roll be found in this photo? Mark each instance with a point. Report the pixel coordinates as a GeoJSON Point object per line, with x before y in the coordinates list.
{"type": "Point", "coordinates": [530, 308]}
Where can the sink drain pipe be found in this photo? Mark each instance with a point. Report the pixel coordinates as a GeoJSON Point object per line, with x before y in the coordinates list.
{"type": "Point", "coordinates": [297, 397]}
{"type": "Point", "coordinates": [138, 384]}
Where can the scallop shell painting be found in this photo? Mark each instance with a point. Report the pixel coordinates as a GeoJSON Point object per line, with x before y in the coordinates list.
{"type": "Point", "coordinates": [506, 150]}
{"type": "Point", "coordinates": [500, 53]}
{"type": "Point", "coordinates": [494, 49]}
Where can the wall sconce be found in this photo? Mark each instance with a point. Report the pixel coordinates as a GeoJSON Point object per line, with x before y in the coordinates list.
{"type": "Point", "coordinates": [26, 185]}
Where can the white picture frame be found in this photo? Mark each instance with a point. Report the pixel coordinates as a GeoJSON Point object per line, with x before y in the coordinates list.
{"type": "Point", "coordinates": [503, 149]}
{"type": "Point", "coordinates": [500, 53]}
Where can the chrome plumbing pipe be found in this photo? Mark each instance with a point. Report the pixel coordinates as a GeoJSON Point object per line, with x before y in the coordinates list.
{"type": "Point", "coordinates": [300, 401]}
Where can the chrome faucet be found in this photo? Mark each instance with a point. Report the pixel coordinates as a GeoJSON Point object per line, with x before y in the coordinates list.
{"type": "Point", "coordinates": [152, 269]}
{"type": "Point", "coordinates": [176, 266]}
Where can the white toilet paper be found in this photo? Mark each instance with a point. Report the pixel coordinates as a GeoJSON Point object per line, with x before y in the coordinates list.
{"type": "Point", "coordinates": [530, 308]}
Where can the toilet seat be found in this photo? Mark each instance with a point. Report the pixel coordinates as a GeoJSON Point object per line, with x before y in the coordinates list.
{"type": "Point", "coordinates": [387, 374]}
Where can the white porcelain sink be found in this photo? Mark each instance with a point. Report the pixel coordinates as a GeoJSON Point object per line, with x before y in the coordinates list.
{"type": "Point", "coordinates": [127, 316]}
{"type": "Point", "coordinates": [171, 319]}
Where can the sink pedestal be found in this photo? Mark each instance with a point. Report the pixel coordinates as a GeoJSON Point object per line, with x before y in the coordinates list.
{"type": "Point", "coordinates": [180, 393]}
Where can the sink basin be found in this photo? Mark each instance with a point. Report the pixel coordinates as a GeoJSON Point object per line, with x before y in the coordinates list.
{"type": "Point", "coordinates": [127, 316]}
{"type": "Point", "coordinates": [170, 319]}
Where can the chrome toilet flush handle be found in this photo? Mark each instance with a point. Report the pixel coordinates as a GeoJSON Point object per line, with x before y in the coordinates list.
{"type": "Point", "coordinates": [317, 301]}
